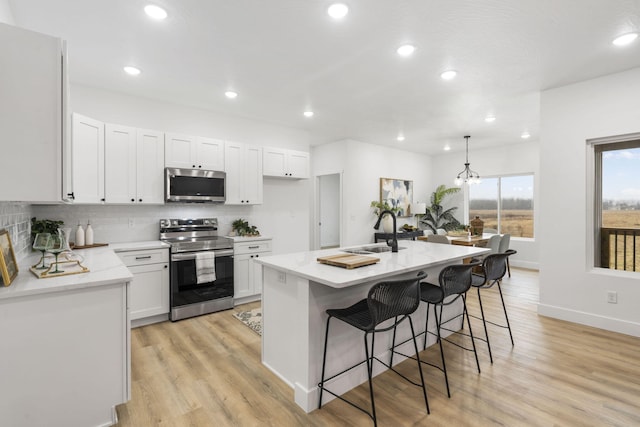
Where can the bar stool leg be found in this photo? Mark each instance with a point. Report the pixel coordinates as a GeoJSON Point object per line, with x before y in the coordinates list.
{"type": "Point", "coordinates": [426, 327]}
{"type": "Point", "coordinates": [415, 346]}
{"type": "Point", "coordinates": [324, 360]}
{"type": "Point", "coordinates": [504, 307]}
{"type": "Point", "coordinates": [369, 373]}
{"type": "Point", "coordinates": [444, 365]}
{"type": "Point", "coordinates": [473, 342]}
{"type": "Point", "coordinates": [484, 322]}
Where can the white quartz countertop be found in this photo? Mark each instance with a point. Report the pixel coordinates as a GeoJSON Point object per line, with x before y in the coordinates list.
{"type": "Point", "coordinates": [138, 246]}
{"type": "Point", "coordinates": [416, 255]}
{"type": "Point", "coordinates": [105, 268]}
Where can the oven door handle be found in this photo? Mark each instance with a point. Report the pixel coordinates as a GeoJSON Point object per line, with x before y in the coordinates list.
{"type": "Point", "coordinates": [192, 255]}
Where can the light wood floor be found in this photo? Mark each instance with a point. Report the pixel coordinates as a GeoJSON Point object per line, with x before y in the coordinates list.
{"type": "Point", "coordinates": [206, 371]}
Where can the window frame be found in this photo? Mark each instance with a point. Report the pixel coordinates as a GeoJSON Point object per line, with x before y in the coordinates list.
{"type": "Point", "coordinates": [594, 198]}
{"type": "Point", "coordinates": [499, 177]}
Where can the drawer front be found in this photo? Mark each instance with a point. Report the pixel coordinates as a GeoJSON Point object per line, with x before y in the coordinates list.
{"type": "Point", "coordinates": [154, 256]}
{"type": "Point", "coordinates": [252, 247]}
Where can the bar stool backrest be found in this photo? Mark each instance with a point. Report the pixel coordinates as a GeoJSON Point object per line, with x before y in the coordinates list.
{"type": "Point", "coordinates": [495, 265]}
{"type": "Point", "coordinates": [456, 279]}
{"type": "Point", "coordinates": [393, 298]}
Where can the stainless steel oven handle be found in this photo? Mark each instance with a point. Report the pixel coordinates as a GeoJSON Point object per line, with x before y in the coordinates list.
{"type": "Point", "coordinates": [192, 255]}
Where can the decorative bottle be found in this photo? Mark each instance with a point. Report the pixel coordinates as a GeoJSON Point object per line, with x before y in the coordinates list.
{"type": "Point", "coordinates": [88, 235]}
{"type": "Point", "coordinates": [79, 236]}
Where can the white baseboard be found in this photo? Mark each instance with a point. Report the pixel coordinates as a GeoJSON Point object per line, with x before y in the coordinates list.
{"type": "Point", "coordinates": [149, 320]}
{"type": "Point", "coordinates": [590, 319]}
{"type": "Point", "coordinates": [524, 264]}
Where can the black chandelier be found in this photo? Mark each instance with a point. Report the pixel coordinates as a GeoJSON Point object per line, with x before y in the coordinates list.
{"type": "Point", "coordinates": [467, 175]}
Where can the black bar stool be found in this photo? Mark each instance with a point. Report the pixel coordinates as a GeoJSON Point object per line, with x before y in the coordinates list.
{"type": "Point", "coordinates": [454, 282]}
{"type": "Point", "coordinates": [494, 268]}
{"type": "Point", "coordinates": [391, 299]}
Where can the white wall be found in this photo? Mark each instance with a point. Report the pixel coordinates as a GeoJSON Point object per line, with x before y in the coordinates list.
{"type": "Point", "coordinates": [569, 288]}
{"type": "Point", "coordinates": [283, 214]}
{"type": "Point", "coordinates": [363, 165]}
{"type": "Point", "coordinates": [6, 15]}
{"type": "Point", "coordinates": [521, 157]}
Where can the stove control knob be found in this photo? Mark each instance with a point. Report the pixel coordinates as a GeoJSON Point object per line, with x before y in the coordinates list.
{"type": "Point", "coordinates": [206, 222]}
{"type": "Point", "coordinates": [174, 222]}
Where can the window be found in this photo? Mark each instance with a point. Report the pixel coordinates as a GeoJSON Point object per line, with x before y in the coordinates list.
{"type": "Point", "coordinates": [617, 210]}
{"type": "Point", "coordinates": [504, 203]}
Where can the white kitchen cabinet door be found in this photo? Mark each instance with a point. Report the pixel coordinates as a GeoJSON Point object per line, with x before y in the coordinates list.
{"type": "Point", "coordinates": [281, 163]}
{"type": "Point", "coordinates": [180, 151]}
{"type": "Point", "coordinates": [32, 115]}
{"type": "Point", "coordinates": [274, 162]}
{"type": "Point", "coordinates": [210, 154]}
{"type": "Point", "coordinates": [119, 164]}
{"type": "Point", "coordinates": [242, 283]}
{"type": "Point", "coordinates": [149, 290]}
{"type": "Point", "coordinates": [298, 164]}
{"type": "Point", "coordinates": [88, 159]}
{"type": "Point", "coordinates": [150, 166]}
{"type": "Point", "coordinates": [243, 165]}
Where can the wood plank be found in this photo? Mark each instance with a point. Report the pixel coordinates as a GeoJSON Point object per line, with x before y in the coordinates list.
{"type": "Point", "coordinates": [207, 371]}
{"type": "Point", "coordinates": [348, 261]}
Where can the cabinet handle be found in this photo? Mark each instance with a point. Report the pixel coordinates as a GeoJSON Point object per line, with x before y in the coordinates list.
{"type": "Point", "coordinates": [71, 196]}
{"type": "Point", "coordinates": [199, 166]}
{"type": "Point", "coordinates": [254, 247]}
{"type": "Point", "coordinates": [139, 200]}
{"type": "Point", "coordinates": [102, 200]}
{"type": "Point", "coordinates": [133, 200]}
{"type": "Point", "coordinates": [166, 266]}
{"type": "Point", "coordinates": [193, 166]}
{"type": "Point", "coordinates": [144, 257]}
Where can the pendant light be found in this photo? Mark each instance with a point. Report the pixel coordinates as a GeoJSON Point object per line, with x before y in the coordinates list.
{"type": "Point", "coordinates": [467, 175]}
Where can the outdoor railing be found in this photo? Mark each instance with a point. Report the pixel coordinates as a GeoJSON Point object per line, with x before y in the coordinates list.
{"type": "Point", "coordinates": [620, 248]}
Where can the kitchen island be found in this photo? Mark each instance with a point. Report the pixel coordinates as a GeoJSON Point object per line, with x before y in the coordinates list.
{"type": "Point", "coordinates": [296, 292]}
{"type": "Point", "coordinates": [65, 344]}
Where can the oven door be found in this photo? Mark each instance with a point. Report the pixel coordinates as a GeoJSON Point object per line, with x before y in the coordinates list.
{"type": "Point", "coordinates": [184, 287]}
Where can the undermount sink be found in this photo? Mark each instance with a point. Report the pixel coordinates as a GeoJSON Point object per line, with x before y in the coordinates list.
{"type": "Point", "coordinates": [364, 250]}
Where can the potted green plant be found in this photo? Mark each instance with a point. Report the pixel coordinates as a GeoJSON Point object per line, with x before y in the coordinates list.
{"type": "Point", "coordinates": [240, 227]}
{"type": "Point", "coordinates": [438, 217]}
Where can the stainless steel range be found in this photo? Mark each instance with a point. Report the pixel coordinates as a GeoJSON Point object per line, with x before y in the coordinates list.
{"type": "Point", "coordinates": [188, 238]}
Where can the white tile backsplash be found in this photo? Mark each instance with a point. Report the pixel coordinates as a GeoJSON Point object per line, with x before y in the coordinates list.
{"type": "Point", "coordinates": [16, 218]}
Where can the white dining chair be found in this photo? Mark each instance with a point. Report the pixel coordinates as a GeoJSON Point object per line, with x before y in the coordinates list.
{"type": "Point", "coordinates": [504, 246]}
{"type": "Point", "coordinates": [490, 231]}
{"type": "Point", "coordinates": [441, 232]}
{"type": "Point", "coordinates": [438, 238]}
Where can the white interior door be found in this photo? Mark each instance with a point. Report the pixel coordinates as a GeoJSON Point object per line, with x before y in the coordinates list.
{"type": "Point", "coordinates": [329, 210]}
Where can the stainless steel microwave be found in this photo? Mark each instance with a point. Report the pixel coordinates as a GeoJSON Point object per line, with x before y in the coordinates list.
{"type": "Point", "coordinates": [194, 185]}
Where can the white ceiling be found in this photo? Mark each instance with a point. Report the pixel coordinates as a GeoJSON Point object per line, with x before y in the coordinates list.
{"type": "Point", "coordinates": [285, 56]}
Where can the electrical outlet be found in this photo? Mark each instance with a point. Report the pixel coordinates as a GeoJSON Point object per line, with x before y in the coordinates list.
{"type": "Point", "coordinates": [612, 297]}
{"type": "Point", "coordinates": [282, 277]}
{"type": "Point", "coordinates": [131, 223]}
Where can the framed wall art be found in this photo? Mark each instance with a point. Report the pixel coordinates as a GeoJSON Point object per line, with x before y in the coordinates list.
{"type": "Point", "coordinates": [8, 264]}
{"type": "Point", "coordinates": [397, 193]}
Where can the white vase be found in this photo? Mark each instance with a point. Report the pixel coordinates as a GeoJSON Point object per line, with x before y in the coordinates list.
{"type": "Point", "coordinates": [387, 224]}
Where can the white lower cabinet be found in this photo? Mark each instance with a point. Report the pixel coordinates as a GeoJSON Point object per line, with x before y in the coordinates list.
{"type": "Point", "coordinates": [149, 289]}
{"type": "Point", "coordinates": [247, 275]}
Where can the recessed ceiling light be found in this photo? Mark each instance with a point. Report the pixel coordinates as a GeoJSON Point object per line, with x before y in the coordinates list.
{"type": "Point", "coordinates": [231, 94]}
{"type": "Point", "coordinates": [406, 50]}
{"type": "Point", "coordinates": [338, 10]}
{"type": "Point", "coordinates": [308, 113]}
{"type": "Point", "coordinates": [490, 119]}
{"type": "Point", "coordinates": [449, 74]}
{"type": "Point", "coordinates": [525, 135]}
{"type": "Point", "coordinates": [400, 138]}
{"type": "Point", "coordinates": [155, 12]}
{"type": "Point", "coordinates": [447, 148]}
{"type": "Point", "coordinates": [132, 71]}
{"type": "Point", "coordinates": [625, 39]}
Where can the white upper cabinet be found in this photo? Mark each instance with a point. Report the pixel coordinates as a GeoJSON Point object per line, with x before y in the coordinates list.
{"type": "Point", "coordinates": [243, 164]}
{"type": "Point", "coordinates": [88, 159]}
{"type": "Point", "coordinates": [194, 152]}
{"type": "Point", "coordinates": [120, 164]}
{"type": "Point", "coordinates": [281, 163]}
{"type": "Point", "coordinates": [150, 166]}
{"type": "Point", "coordinates": [134, 165]}
{"type": "Point", "coordinates": [32, 115]}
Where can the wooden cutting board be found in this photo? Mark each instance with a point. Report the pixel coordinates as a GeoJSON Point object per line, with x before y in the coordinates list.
{"type": "Point", "coordinates": [348, 261]}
